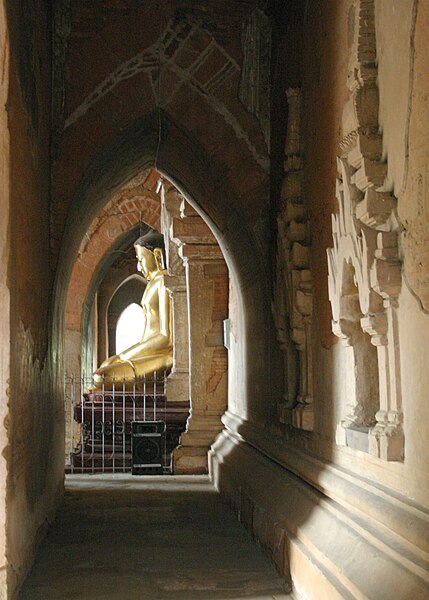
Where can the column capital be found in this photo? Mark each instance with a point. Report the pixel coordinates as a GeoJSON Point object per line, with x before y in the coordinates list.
{"type": "Point", "coordinates": [201, 252]}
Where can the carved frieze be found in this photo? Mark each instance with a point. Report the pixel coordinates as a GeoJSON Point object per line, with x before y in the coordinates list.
{"type": "Point", "coordinates": [364, 266]}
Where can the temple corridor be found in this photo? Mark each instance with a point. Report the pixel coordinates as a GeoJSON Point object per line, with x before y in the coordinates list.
{"type": "Point", "coordinates": [249, 179]}
{"type": "Point", "coordinates": [124, 538]}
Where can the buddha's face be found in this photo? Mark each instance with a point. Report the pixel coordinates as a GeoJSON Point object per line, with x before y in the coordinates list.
{"type": "Point", "coordinates": [146, 262]}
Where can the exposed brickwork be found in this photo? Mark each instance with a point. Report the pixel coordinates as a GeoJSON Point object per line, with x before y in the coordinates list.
{"type": "Point", "coordinates": [123, 212]}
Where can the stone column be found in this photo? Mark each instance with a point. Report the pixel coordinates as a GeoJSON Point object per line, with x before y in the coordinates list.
{"type": "Point", "coordinates": [207, 302]}
{"type": "Point", "coordinates": [178, 380]}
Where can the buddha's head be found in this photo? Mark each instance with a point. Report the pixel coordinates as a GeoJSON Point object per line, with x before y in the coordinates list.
{"type": "Point", "coordinates": [149, 254]}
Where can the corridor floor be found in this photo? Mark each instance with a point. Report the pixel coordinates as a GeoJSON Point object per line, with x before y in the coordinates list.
{"type": "Point", "coordinates": [128, 538]}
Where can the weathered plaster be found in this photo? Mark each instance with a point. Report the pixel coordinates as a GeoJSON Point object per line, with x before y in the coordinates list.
{"type": "Point", "coordinates": [414, 201]}
{"type": "Point", "coordinates": [35, 423]}
{"type": "Point", "coordinates": [394, 24]}
{"type": "Point", "coordinates": [4, 290]}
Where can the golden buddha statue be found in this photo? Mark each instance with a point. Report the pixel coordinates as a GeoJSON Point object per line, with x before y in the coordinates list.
{"type": "Point", "coordinates": [154, 353]}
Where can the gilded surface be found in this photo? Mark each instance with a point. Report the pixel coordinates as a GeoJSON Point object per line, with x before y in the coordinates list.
{"type": "Point", "coordinates": [154, 353]}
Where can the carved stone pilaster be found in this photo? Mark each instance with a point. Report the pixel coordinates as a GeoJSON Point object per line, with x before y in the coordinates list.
{"type": "Point", "coordinates": [171, 201]}
{"type": "Point", "coordinates": [292, 306]}
{"type": "Point", "coordinates": [207, 285]}
{"type": "Point", "coordinates": [178, 381]}
{"type": "Point", "coordinates": [200, 282]}
{"type": "Point", "coordinates": [364, 267]}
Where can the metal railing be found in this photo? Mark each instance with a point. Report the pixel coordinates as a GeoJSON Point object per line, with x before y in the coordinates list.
{"type": "Point", "coordinates": [99, 421]}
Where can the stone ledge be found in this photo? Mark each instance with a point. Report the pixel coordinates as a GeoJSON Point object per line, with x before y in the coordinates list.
{"type": "Point", "coordinates": [327, 541]}
{"type": "Point", "coordinates": [357, 438]}
{"type": "Point", "coordinates": [404, 519]}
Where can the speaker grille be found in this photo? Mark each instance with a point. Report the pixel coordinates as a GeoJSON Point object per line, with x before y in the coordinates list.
{"type": "Point", "coordinates": [148, 451]}
{"type": "Point", "coordinates": [148, 440]}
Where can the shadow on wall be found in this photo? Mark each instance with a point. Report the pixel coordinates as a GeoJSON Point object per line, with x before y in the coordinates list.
{"type": "Point", "coordinates": [247, 466]}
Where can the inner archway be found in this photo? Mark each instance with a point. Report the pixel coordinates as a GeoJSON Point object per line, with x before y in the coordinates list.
{"type": "Point", "coordinates": [184, 163]}
{"type": "Point", "coordinates": [129, 327]}
{"type": "Point", "coordinates": [187, 235]}
{"type": "Point", "coordinates": [123, 315]}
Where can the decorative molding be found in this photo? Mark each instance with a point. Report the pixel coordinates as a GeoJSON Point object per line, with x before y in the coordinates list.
{"type": "Point", "coordinates": [364, 266]}
{"type": "Point", "coordinates": [335, 508]}
{"type": "Point", "coordinates": [178, 386]}
{"type": "Point", "coordinates": [404, 517]}
{"type": "Point", "coordinates": [292, 306]}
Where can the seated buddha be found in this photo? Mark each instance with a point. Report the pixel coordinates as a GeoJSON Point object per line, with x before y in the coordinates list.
{"type": "Point", "coordinates": [154, 352]}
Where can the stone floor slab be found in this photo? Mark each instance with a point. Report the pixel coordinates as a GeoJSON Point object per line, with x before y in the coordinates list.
{"type": "Point", "coordinates": [149, 538]}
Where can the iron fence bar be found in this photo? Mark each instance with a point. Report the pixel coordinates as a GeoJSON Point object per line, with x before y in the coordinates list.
{"type": "Point", "coordinates": [72, 403]}
{"type": "Point", "coordinates": [93, 428]}
{"type": "Point", "coordinates": [164, 391]}
{"type": "Point", "coordinates": [102, 425]}
{"type": "Point", "coordinates": [144, 397]}
{"type": "Point", "coordinates": [154, 395]}
{"type": "Point", "coordinates": [124, 420]}
{"type": "Point", "coordinates": [113, 425]}
{"type": "Point", "coordinates": [82, 433]}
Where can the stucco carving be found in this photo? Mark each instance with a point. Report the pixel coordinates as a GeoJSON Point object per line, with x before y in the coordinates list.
{"type": "Point", "coordinates": [292, 305]}
{"type": "Point", "coordinates": [364, 267]}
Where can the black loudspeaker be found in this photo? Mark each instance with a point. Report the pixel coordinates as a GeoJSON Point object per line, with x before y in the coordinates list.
{"type": "Point", "coordinates": [148, 440]}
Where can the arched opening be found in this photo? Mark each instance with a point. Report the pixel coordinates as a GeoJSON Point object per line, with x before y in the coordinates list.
{"type": "Point", "coordinates": [198, 283]}
{"type": "Point", "coordinates": [129, 328]}
{"type": "Point", "coordinates": [128, 293]}
{"type": "Point", "coordinates": [114, 294]}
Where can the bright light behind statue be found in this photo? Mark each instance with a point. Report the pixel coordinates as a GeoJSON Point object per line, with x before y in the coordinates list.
{"type": "Point", "coordinates": [130, 327]}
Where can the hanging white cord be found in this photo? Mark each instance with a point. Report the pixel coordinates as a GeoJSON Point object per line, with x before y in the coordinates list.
{"type": "Point", "coordinates": [158, 99]}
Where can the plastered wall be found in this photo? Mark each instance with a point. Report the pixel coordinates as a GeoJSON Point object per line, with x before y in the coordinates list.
{"type": "Point", "coordinates": [115, 121]}
{"type": "Point", "coordinates": [402, 118]}
{"type": "Point", "coordinates": [5, 295]}
{"type": "Point", "coordinates": [371, 501]}
{"type": "Point", "coordinates": [413, 207]}
{"type": "Point", "coordinates": [34, 454]}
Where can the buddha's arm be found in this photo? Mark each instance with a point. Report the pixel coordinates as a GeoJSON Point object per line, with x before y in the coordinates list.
{"type": "Point", "coordinates": [165, 314]}
{"type": "Point", "coordinates": [147, 347]}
